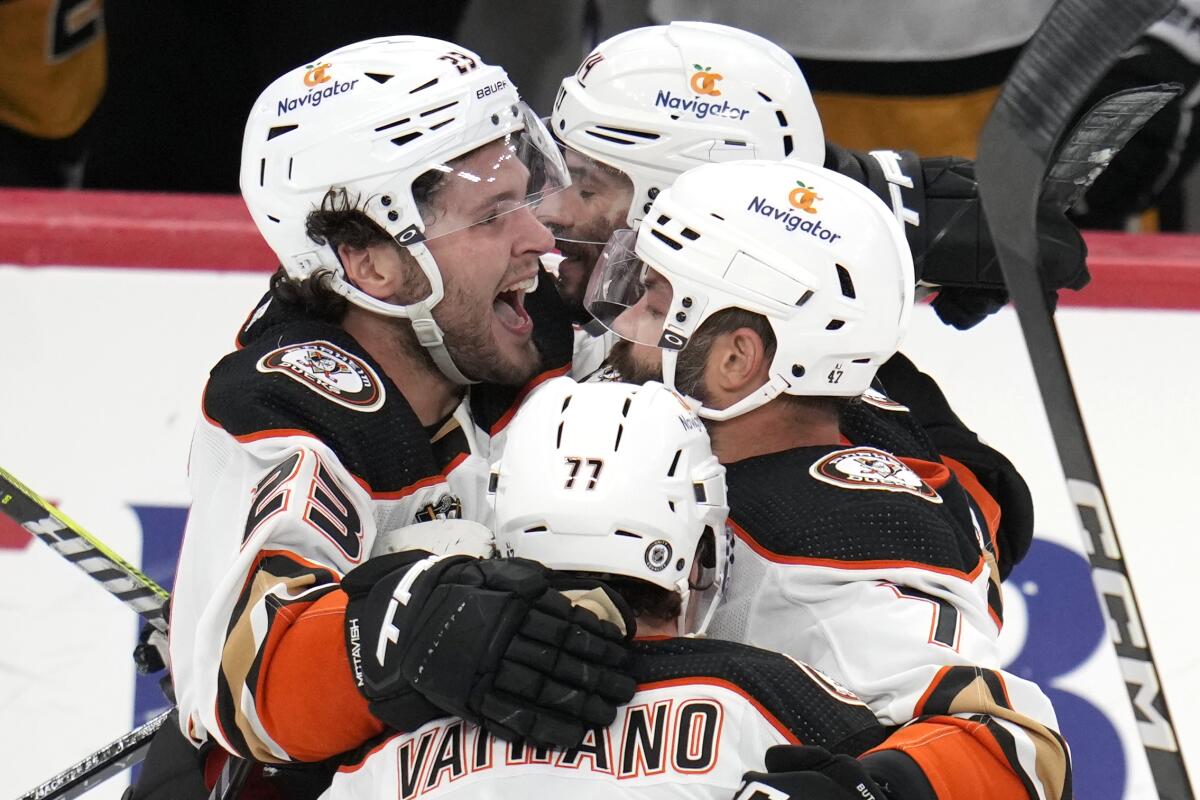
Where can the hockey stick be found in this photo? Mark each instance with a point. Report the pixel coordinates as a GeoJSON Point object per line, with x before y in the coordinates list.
{"type": "Point", "coordinates": [1097, 138]}
{"type": "Point", "coordinates": [1075, 45]}
{"type": "Point", "coordinates": [101, 765]}
{"type": "Point", "coordinates": [120, 578]}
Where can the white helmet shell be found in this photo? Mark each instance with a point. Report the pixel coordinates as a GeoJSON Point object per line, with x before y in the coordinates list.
{"type": "Point", "coordinates": [370, 118]}
{"type": "Point", "coordinates": [612, 478]}
{"type": "Point", "coordinates": [816, 253]}
{"type": "Point", "coordinates": [657, 101]}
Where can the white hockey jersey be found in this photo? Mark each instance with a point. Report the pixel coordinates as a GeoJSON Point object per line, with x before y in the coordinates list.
{"type": "Point", "coordinates": [305, 455]}
{"type": "Point", "coordinates": [704, 714]}
{"type": "Point", "coordinates": [876, 571]}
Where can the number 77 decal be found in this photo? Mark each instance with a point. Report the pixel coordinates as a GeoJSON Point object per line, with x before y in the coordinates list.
{"type": "Point", "coordinates": [946, 626]}
{"type": "Point", "coordinates": [575, 463]}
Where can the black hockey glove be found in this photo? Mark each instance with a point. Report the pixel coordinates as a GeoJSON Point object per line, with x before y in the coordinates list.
{"type": "Point", "coordinates": [801, 772]}
{"type": "Point", "coordinates": [488, 641]}
{"type": "Point", "coordinates": [951, 245]}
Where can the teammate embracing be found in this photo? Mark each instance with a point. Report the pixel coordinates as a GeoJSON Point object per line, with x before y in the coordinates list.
{"type": "Point", "coordinates": [770, 293]}
{"type": "Point", "coordinates": [395, 180]}
{"type": "Point", "coordinates": [616, 481]}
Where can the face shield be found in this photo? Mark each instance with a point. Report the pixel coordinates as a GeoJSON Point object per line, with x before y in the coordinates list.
{"type": "Point", "coordinates": [631, 298]}
{"type": "Point", "coordinates": [517, 170]}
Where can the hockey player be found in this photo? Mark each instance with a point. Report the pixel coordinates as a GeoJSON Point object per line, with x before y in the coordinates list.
{"type": "Point", "coordinates": [618, 481]}
{"type": "Point", "coordinates": [395, 179]}
{"type": "Point", "coordinates": [770, 292]}
{"type": "Point", "coordinates": [650, 103]}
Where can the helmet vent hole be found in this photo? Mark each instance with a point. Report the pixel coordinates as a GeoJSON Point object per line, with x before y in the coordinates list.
{"type": "Point", "coordinates": [718, 216]}
{"type": "Point", "coordinates": [273, 219]}
{"type": "Point", "coordinates": [701, 494]}
{"type": "Point", "coordinates": [734, 143]}
{"type": "Point", "coordinates": [861, 361]}
{"type": "Point", "coordinates": [671, 505]}
{"type": "Point", "coordinates": [667, 240]}
{"type": "Point", "coordinates": [493, 482]}
{"type": "Point", "coordinates": [422, 87]}
{"type": "Point", "coordinates": [787, 145]}
{"type": "Point", "coordinates": [688, 233]}
{"type": "Point", "coordinates": [562, 92]}
{"type": "Point", "coordinates": [630, 534]}
{"type": "Point", "coordinates": [782, 119]}
{"type": "Point", "coordinates": [835, 324]}
{"type": "Point", "coordinates": [628, 132]}
{"type": "Point", "coordinates": [566, 402]}
{"type": "Point", "coordinates": [441, 124]}
{"type": "Point", "coordinates": [764, 97]}
{"type": "Point", "coordinates": [675, 117]}
{"type": "Point", "coordinates": [595, 134]}
{"type": "Point", "coordinates": [674, 464]}
{"type": "Point", "coordinates": [536, 529]}
{"type": "Point", "coordinates": [663, 219]}
{"type": "Point", "coordinates": [625, 408]}
{"type": "Point", "coordinates": [439, 108]}
{"type": "Point", "coordinates": [620, 433]}
{"type": "Point", "coordinates": [262, 172]}
{"type": "Point", "coordinates": [804, 298]}
{"type": "Point", "coordinates": [847, 283]}
{"type": "Point", "coordinates": [392, 124]}
{"type": "Point", "coordinates": [379, 77]}
{"type": "Point", "coordinates": [558, 440]}
{"type": "Point", "coordinates": [400, 141]}
{"type": "Point", "coordinates": [280, 130]}
{"type": "Point", "coordinates": [290, 160]}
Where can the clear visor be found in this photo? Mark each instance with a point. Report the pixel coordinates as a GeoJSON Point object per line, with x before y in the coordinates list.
{"type": "Point", "coordinates": [515, 171]}
{"type": "Point", "coordinates": [629, 297]}
{"type": "Point", "coordinates": [598, 191]}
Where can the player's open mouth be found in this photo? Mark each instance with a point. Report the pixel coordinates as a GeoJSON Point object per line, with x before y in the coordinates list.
{"type": "Point", "coordinates": [509, 306]}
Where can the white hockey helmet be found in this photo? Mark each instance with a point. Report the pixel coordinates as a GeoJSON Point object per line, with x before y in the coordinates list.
{"type": "Point", "coordinates": [654, 102]}
{"type": "Point", "coordinates": [370, 118]}
{"type": "Point", "coordinates": [613, 478]}
{"type": "Point", "coordinates": [816, 253]}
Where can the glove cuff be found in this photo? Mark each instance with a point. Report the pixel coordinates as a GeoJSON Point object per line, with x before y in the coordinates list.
{"type": "Point", "coordinates": [898, 775]}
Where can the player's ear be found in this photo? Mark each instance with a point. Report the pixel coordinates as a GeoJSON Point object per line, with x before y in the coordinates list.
{"type": "Point", "coordinates": [375, 269]}
{"type": "Point", "coordinates": [737, 363]}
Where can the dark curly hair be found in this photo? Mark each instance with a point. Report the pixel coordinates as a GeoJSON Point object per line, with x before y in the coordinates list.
{"type": "Point", "coordinates": [340, 221]}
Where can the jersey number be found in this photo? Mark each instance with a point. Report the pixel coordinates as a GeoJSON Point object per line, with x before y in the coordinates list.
{"type": "Point", "coordinates": [331, 512]}
{"type": "Point", "coordinates": [594, 464]}
{"type": "Point", "coordinates": [945, 628]}
{"type": "Point", "coordinates": [270, 495]}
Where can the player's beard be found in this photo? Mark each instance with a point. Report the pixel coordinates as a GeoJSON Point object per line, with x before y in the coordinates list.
{"type": "Point", "coordinates": [471, 345]}
{"type": "Point", "coordinates": [579, 259]}
{"type": "Point", "coordinates": [632, 369]}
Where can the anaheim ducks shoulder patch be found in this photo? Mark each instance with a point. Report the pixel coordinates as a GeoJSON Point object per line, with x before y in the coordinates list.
{"type": "Point", "coordinates": [329, 371]}
{"type": "Point", "coordinates": [880, 400]}
{"type": "Point", "coordinates": [868, 468]}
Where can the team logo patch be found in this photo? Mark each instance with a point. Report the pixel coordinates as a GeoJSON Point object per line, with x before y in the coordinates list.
{"type": "Point", "coordinates": [329, 371]}
{"type": "Point", "coordinates": [881, 400]}
{"type": "Point", "coordinates": [831, 687]}
{"type": "Point", "coordinates": [867, 468]}
{"type": "Point", "coordinates": [658, 555]}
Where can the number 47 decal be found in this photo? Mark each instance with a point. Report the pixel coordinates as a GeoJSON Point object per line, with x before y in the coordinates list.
{"type": "Point", "coordinates": [574, 463]}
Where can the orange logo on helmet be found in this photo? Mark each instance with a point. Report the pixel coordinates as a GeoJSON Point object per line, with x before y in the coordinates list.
{"type": "Point", "coordinates": [316, 74]}
{"type": "Point", "coordinates": [704, 81]}
{"type": "Point", "coordinates": [803, 197]}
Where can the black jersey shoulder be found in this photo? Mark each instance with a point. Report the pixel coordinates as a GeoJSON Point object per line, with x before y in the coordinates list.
{"type": "Point", "coordinates": [813, 708]}
{"type": "Point", "coordinates": [314, 377]}
{"type": "Point", "coordinates": [792, 504]}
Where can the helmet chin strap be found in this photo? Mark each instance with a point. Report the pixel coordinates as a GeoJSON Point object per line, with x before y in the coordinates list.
{"type": "Point", "coordinates": [420, 314]}
{"type": "Point", "coordinates": [759, 397]}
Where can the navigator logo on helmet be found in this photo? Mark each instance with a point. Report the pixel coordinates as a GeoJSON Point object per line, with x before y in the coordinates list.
{"type": "Point", "coordinates": [395, 109]}
{"type": "Point", "coordinates": [836, 288]}
{"type": "Point", "coordinates": [645, 102]}
{"type": "Point", "coordinates": [656, 512]}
